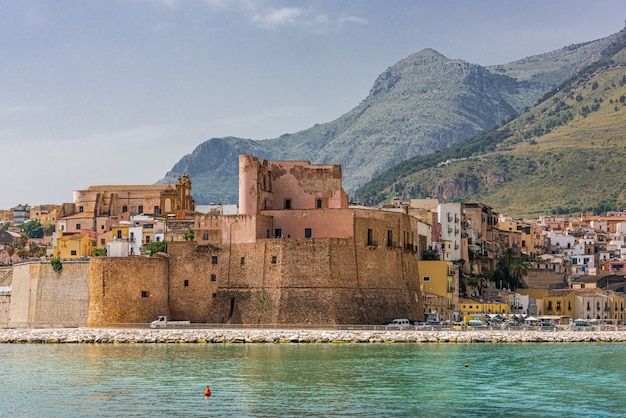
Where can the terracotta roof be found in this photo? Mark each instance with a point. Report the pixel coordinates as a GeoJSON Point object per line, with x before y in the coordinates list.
{"type": "Point", "coordinates": [78, 215]}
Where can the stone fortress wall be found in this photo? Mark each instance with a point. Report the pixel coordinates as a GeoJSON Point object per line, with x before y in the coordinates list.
{"type": "Point", "coordinates": [279, 281]}
{"type": "Point", "coordinates": [127, 289]}
{"type": "Point", "coordinates": [41, 296]}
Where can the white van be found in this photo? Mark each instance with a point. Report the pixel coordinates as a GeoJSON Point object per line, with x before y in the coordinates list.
{"type": "Point", "coordinates": [401, 323]}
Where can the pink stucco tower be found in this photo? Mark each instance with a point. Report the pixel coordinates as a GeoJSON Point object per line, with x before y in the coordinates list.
{"type": "Point", "coordinates": [276, 185]}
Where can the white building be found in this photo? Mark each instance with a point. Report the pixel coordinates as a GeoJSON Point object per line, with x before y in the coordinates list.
{"type": "Point", "coordinates": [449, 216]}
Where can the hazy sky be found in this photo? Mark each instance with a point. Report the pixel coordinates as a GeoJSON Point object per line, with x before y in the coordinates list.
{"type": "Point", "coordinates": [117, 91]}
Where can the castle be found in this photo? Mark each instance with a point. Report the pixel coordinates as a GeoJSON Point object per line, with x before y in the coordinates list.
{"type": "Point", "coordinates": [295, 253]}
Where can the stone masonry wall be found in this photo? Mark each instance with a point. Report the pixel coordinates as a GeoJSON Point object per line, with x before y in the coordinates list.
{"type": "Point", "coordinates": [127, 290]}
{"type": "Point", "coordinates": [5, 308]}
{"type": "Point", "coordinates": [310, 281]}
{"type": "Point", "coordinates": [41, 296]}
{"type": "Point", "coordinates": [194, 274]}
{"type": "Point", "coordinates": [542, 279]}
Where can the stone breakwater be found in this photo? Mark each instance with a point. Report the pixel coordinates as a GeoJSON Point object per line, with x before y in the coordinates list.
{"type": "Point", "coordinates": [211, 336]}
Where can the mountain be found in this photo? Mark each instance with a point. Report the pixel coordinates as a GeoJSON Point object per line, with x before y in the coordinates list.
{"type": "Point", "coordinates": [564, 155]}
{"type": "Point", "coordinates": [424, 103]}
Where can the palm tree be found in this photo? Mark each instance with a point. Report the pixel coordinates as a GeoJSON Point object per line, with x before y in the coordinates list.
{"type": "Point", "coordinates": [10, 251]}
{"type": "Point", "coordinates": [512, 268]}
{"type": "Point", "coordinates": [22, 240]}
{"type": "Point", "coordinates": [518, 270]}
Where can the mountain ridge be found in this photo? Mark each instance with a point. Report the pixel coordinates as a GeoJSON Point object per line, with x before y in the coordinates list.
{"type": "Point", "coordinates": [421, 104]}
{"type": "Point", "coordinates": [561, 156]}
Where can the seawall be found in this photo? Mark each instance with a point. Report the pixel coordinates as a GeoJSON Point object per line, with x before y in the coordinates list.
{"type": "Point", "coordinates": [208, 336]}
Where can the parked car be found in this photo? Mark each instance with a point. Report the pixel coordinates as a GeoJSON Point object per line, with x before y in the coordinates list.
{"type": "Point", "coordinates": [582, 326]}
{"type": "Point", "coordinates": [546, 326]}
{"type": "Point", "coordinates": [401, 323]}
{"type": "Point", "coordinates": [476, 323]}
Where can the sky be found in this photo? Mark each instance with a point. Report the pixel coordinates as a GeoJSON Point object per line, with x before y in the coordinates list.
{"type": "Point", "coordinates": [118, 91]}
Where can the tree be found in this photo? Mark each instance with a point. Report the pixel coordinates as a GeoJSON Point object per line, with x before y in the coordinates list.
{"type": "Point", "coordinates": [511, 269]}
{"type": "Point", "coordinates": [56, 264]}
{"type": "Point", "coordinates": [22, 253]}
{"type": "Point", "coordinates": [97, 252]}
{"type": "Point", "coordinates": [189, 235]}
{"type": "Point", "coordinates": [518, 270]}
{"type": "Point", "coordinates": [32, 229]}
{"type": "Point", "coordinates": [156, 247]}
{"type": "Point", "coordinates": [10, 249]}
{"type": "Point", "coordinates": [22, 240]}
{"type": "Point", "coordinates": [430, 255]}
{"type": "Point", "coordinates": [35, 250]}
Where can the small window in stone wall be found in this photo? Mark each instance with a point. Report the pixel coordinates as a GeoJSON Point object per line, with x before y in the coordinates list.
{"type": "Point", "coordinates": [307, 233]}
{"type": "Point", "coordinates": [186, 283]}
{"type": "Point", "coordinates": [213, 277]}
{"type": "Point", "coordinates": [273, 259]}
{"type": "Point", "coordinates": [73, 252]}
{"type": "Point", "coordinates": [145, 294]}
{"type": "Point", "coordinates": [426, 278]}
{"type": "Point", "coordinates": [214, 294]}
{"type": "Point", "coordinates": [213, 259]}
{"type": "Point", "coordinates": [205, 237]}
{"type": "Point", "coordinates": [243, 260]}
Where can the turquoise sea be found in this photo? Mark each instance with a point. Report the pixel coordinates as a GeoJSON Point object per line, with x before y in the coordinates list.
{"type": "Point", "coordinates": [313, 380]}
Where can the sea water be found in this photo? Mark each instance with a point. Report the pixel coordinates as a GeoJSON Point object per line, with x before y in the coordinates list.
{"type": "Point", "coordinates": [313, 380]}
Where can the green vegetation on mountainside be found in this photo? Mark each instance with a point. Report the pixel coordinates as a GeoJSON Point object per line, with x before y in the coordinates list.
{"type": "Point", "coordinates": [422, 104]}
{"type": "Point", "coordinates": [565, 154]}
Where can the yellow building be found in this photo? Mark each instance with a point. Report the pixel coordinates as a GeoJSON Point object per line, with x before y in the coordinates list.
{"type": "Point", "coordinates": [439, 285]}
{"type": "Point", "coordinates": [120, 231]}
{"type": "Point", "coordinates": [5, 216]}
{"type": "Point", "coordinates": [470, 307]}
{"type": "Point", "coordinates": [560, 302]}
{"type": "Point", "coordinates": [531, 241]}
{"type": "Point", "coordinates": [72, 247]}
{"type": "Point", "coordinates": [45, 214]}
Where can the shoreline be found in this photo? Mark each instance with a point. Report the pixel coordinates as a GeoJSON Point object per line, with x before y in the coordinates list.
{"type": "Point", "coordinates": [299, 336]}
